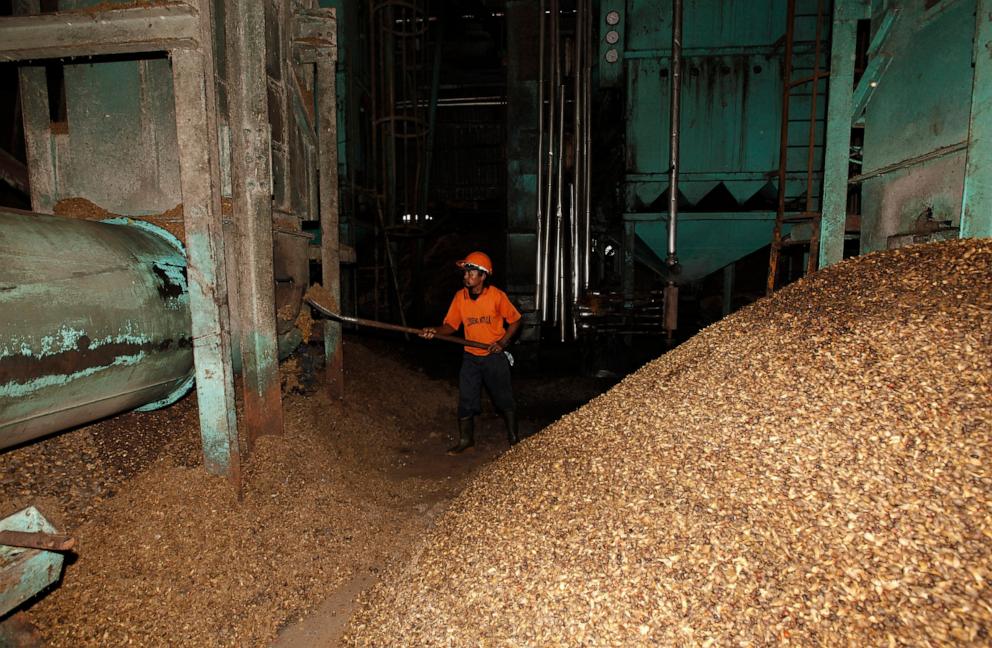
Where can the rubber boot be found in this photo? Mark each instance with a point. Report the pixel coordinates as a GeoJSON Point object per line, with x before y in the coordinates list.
{"type": "Point", "coordinates": [466, 436]}
{"type": "Point", "coordinates": [511, 427]}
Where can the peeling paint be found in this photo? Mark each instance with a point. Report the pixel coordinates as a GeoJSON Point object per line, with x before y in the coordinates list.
{"type": "Point", "coordinates": [16, 390]}
{"type": "Point", "coordinates": [102, 313]}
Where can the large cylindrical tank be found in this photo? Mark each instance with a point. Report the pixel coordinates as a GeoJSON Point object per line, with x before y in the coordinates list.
{"type": "Point", "coordinates": [94, 320]}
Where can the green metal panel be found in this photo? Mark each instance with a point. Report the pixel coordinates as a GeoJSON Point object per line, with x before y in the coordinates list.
{"type": "Point", "coordinates": [122, 152]}
{"type": "Point", "coordinates": [94, 320]}
{"type": "Point", "coordinates": [976, 208]}
{"type": "Point", "coordinates": [706, 25]}
{"type": "Point", "coordinates": [731, 112]}
{"type": "Point", "coordinates": [708, 242]}
{"type": "Point", "coordinates": [921, 105]}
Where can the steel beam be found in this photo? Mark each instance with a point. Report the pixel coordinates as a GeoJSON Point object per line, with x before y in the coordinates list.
{"type": "Point", "coordinates": [838, 136]}
{"type": "Point", "coordinates": [91, 33]}
{"type": "Point", "coordinates": [976, 203]}
{"type": "Point", "coordinates": [251, 177]}
{"type": "Point", "coordinates": [199, 170]}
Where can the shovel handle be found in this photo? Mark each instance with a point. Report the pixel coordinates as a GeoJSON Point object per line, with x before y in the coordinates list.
{"type": "Point", "coordinates": [392, 327]}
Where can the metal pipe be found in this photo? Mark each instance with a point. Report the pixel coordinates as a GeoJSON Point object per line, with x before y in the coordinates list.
{"type": "Point", "coordinates": [559, 215]}
{"type": "Point", "coordinates": [578, 178]}
{"type": "Point", "coordinates": [587, 148]}
{"type": "Point", "coordinates": [96, 322]}
{"type": "Point", "coordinates": [560, 313]}
{"type": "Point", "coordinates": [432, 119]}
{"type": "Point", "coordinates": [539, 261]}
{"type": "Point", "coordinates": [574, 242]}
{"type": "Point", "coordinates": [552, 106]}
{"type": "Point", "coordinates": [675, 107]}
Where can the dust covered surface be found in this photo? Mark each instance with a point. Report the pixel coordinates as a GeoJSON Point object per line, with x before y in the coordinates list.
{"type": "Point", "coordinates": [320, 295]}
{"type": "Point", "coordinates": [168, 556]}
{"type": "Point", "coordinates": [813, 470]}
{"type": "Point", "coordinates": [170, 220]}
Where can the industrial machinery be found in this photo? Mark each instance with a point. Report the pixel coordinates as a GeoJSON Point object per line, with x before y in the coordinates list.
{"type": "Point", "coordinates": [102, 322]}
{"type": "Point", "coordinates": [217, 124]}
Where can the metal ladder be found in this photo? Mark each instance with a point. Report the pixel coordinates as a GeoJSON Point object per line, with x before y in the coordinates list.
{"type": "Point", "coordinates": [805, 75]}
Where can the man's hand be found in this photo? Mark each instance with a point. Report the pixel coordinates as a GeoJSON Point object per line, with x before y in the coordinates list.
{"type": "Point", "coordinates": [428, 332]}
{"type": "Point", "coordinates": [496, 347]}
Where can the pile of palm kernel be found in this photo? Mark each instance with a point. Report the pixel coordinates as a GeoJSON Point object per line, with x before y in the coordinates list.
{"type": "Point", "coordinates": [816, 469]}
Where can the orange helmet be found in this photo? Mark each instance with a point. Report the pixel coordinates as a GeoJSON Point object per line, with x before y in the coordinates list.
{"type": "Point", "coordinates": [477, 260]}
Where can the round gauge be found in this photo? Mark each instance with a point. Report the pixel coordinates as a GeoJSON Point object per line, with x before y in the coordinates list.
{"type": "Point", "coordinates": [612, 56]}
{"type": "Point", "coordinates": [612, 36]}
{"type": "Point", "coordinates": [613, 18]}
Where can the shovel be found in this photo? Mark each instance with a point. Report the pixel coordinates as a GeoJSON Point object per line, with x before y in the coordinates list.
{"type": "Point", "coordinates": [320, 299]}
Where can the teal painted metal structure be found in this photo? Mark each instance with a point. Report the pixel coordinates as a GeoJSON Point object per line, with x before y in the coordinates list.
{"type": "Point", "coordinates": [731, 114]}
{"type": "Point", "coordinates": [976, 204]}
{"type": "Point", "coordinates": [927, 162]}
{"type": "Point", "coordinates": [95, 321]}
{"type": "Point", "coordinates": [26, 572]}
{"type": "Point", "coordinates": [839, 115]}
{"type": "Point", "coordinates": [730, 99]}
{"type": "Point", "coordinates": [710, 240]}
{"type": "Point", "coordinates": [141, 137]}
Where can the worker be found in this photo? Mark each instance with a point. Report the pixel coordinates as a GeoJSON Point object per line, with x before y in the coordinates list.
{"type": "Point", "coordinates": [482, 309]}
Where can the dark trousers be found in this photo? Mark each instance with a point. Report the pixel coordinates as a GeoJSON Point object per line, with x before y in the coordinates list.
{"type": "Point", "coordinates": [493, 371]}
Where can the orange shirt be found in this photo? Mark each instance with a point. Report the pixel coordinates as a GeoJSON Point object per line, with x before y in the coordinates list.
{"type": "Point", "coordinates": [482, 317]}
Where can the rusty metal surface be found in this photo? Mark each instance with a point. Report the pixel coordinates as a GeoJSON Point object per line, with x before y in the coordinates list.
{"type": "Point", "coordinates": [251, 173]}
{"type": "Point", "coordinates": [37, 540]}
{"type": "Point", "coordinates": [315, 43]}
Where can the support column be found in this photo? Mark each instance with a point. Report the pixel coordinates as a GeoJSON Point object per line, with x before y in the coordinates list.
{"type": "Point", "coordinates": [251, 177]}
{"type": "Point", "coordinates": [199, 170]}
{"type": "Point", "coordinates": [330, 246]}
{"type": "Point", "coordinates": [38, 137]}
{"type": "Point", "coordinates": [315, 42]}
{"type": "Point", "coordinates": [838, 136]}
{"type": "Point", "coordinates": [37, 125]}
{"type": "Point", "coordinates": [976, 203]}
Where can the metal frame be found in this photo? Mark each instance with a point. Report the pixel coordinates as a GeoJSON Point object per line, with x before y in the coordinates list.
{"type": "Point", "coordinates": [186, 33]}
{"type": "Point", "coordinates": [251, 181]}
{"type": "Point", "coordinates": [840, 109]}
{"type": "Point", "coordinates": [315, 43]}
